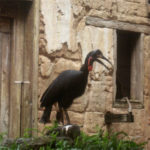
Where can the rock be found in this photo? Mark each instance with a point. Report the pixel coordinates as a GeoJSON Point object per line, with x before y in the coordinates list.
{"type": "Point", "coordinates": [64, 64]}
{"type": "Point", "coordinates": [68, 133]}
{"type": "Point", "coordinates": [77, 10]}
{"type": "Point", "coordinates": [45, 66]}
{"type": "Point", "coordinates": [132, 9]}
{"type": "Point", "coordinates": [133, 19]}
{"type": "Point", "coordinates": [99, 5]}
{"type": "Point", "coordinates": [7, 142]}
{"type": "Point", "coordinates": [71, 131]}
{"type": "Point", "coordinates": [146, 47]}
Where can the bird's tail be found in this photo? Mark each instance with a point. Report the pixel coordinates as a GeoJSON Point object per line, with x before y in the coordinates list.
{"type": "Point", "coordinates": [46, 115]}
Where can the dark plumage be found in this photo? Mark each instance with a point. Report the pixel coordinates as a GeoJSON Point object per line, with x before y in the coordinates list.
{"type": "Point", "coordinates": [69, 85]}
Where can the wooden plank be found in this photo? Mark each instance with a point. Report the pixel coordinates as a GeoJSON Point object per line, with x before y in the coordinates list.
{"type": "Point", "coordinates": [29, 103]}
{"type": "Point", "coordinates": [0, 72]}
{"type": "Point", "coordinates": [5, 78]}
{"type": "Point", "coordinates": [135, 63]}
{"type": "Point", "coordinates": [16, 74]}
{"type": "Point", "coordinates": [115, 64]}
{"type": "Point", "coordinates": [135, 105]}
{"type": "Point", "coordinates": [35, 55]}
{"type": "Point", "coordinates": [141, 65]}
{"type": "Point", "coordinates": [137, 70]}
{"type": "Point", "coordinates": [114, 24]}
{"type": "Point", "coordinates": [27, 71]}
{"type": "Point", "coordinates": [16, 0]}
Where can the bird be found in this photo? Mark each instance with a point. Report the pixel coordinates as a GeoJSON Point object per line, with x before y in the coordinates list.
{"type": "Point", "coordinates": [68, 85]}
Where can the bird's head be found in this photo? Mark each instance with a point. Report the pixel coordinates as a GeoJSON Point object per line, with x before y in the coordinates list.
{"type": "Point", "coordinates": [93, 56]}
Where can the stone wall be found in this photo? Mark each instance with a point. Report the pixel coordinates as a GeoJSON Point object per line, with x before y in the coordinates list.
{"type": "Point", "coordinates": [65, 40]}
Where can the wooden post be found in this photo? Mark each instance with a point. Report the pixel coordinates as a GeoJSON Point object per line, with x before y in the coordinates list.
{"type": "Point", "coordinates": [29, 98]}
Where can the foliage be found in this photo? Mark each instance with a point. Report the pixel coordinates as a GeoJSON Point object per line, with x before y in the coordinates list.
{"type": "Point", "coordinates": [105, 141]}
{"type": "Point", "coordinates": [100, 141]}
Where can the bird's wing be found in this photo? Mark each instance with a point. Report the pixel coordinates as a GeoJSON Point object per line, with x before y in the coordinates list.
{"type": "Point", "coordinates": [58, 86]}
{"type": "Point", "coordinates": [50, 92]}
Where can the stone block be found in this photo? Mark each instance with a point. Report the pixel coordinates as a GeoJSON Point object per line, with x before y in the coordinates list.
{"type": "Point", "coordinates": [99, 96]}
{"type": "Point", "coordinates": [80, 104]}
{"type": "Point", "coordinates": [99, 5]}
{"type": "Point", "coordinates": [76, 118]}
{"type": "Point", "coordinates": [133, 19]}
{"type": "Point", "coordinates": [146, 47]}
{"type": "Point", "coordinates": [64, 64]}
{"type": "Point", "coordinates": [93, 121]}
{"type": "Point", "coordinates": [132, 129]}
{"type": "Point", "coordinates": [131, 8]}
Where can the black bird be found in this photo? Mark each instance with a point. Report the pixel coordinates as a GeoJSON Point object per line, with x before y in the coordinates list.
{"type": "Point", "coordinates": [69, 85]}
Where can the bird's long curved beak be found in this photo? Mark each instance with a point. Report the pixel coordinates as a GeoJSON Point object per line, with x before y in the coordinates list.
{"type": "Point", "coordinates": [99, 61]}
{"type": "Point", "coordinates": [107, 60]}
{"type": "Point", "coordinates": [102, 63]}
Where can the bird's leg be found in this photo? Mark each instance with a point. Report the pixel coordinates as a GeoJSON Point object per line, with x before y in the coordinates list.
{"type": "Point", "coordinates": [59, 115]}
{"type": "Point", "coordinates": [46, 115]}
{"type": "Point", "coordinates": [67, 116]}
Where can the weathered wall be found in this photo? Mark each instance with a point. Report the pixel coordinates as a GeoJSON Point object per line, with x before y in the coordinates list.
{"type": "Point", "coordinates": [64, 42]}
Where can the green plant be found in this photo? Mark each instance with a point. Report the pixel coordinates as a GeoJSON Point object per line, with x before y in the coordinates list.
{"type": "Point", "coordinates": [28, 132]}
{"type": "Point", "coordinates": [2, 136]}
{"type": "Point", "coordinates": [49, 128]}
{"type": "Point", "coordinates": [99, 141]}
{"type": "Point", "coordinates": [107, 141]}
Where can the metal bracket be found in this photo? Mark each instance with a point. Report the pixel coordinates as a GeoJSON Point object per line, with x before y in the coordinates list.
{"type": "Point", "coordinates": [111, 117]}
{"type": "Point", "coordinates": [22, 82]}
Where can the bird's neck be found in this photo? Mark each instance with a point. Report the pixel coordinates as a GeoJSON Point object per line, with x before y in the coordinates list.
{"type": "Point", "coordinates": [84, 69]}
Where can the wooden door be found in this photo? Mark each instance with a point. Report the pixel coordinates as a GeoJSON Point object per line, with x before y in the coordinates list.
{"type": "Point", "coordinates": [5, 71]}
{"type": "Point", "coordinates": [11, 74]}
{"type": "Point", "coordinates": [18, 66]}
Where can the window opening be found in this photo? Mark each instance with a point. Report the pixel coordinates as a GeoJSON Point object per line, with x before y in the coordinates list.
{"type": "Point", "coordinates": [127, 78]}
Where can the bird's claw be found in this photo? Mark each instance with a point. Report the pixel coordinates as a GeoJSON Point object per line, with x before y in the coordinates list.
{"type": "Point", "coordinates": [44, 122]}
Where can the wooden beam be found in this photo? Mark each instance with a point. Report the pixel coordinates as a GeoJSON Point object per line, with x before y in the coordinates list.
{"type": "Point", "coordinates": [114, 24]}
{"type": "Point", "coordinates": [16, 0]}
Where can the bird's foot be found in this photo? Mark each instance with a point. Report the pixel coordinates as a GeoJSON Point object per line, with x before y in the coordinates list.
{"type": "Point", "coordinates": [44, 121]}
